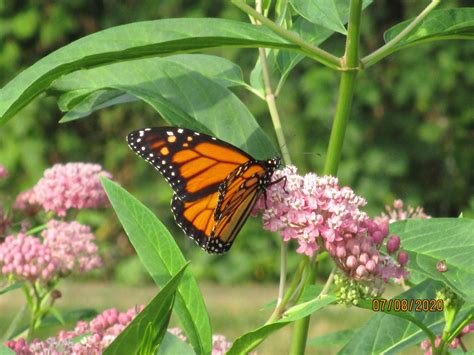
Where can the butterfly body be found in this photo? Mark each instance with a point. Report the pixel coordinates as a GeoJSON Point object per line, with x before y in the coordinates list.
{"type": "Point", "coordinates": [216, 184]}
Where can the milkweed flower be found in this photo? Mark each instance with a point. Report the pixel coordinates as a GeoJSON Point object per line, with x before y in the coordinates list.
{"type": "Point", "coordinates": [72, 246]}
{"type": "Point", "coordinates": [66, 247]}
{"type": "Point", "coordinates": [68, 186]}
{"type": "Point", "coordinates": [396, 212]}
{"type": "Point", "coordinates": [426, 344]}
{"type": "Point", "coordinates": [24, 257]}
{"type": "Point", "coordinates": [97, 335]}
{"type": "Point", "coordinates": [318, 213]}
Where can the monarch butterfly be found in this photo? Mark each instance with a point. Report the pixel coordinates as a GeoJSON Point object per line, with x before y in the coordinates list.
{"type": "Point", "coordinates": [215, 184]}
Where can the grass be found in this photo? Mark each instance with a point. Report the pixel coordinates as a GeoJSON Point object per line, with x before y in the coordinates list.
{"type": "Point", "coordinates": [233, 309]}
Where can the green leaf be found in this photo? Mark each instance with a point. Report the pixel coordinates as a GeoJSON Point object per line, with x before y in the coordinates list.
{"type": "Point", "coordinates": [132, 41]}
{"type": "Point", "coordinates": [152, 320]}
{"type": "Point", "coordinates": [11, 287]}
{"type": "Point", "coordinates": [429, 241]}
{"type": "Point", "coordinates": [438, 25]}
{"type": "Point", "coordinates": [341, 337]}
{"type": "Point", "coordinates": [5, 350]}
{"type": "Point", "coordinates": [171, 344]}
{"type": "Point", "coordinates": [320, 12]}
{"type": "Point", "coordinates": [281, 62]}
{"type": "Point", "coordinates": [183, 96]}
{"type": "Point", "coordinates": [162, 258]}
{"type": "Point", "coordinates": [249, 341]}
{"type": "Point", "coordinates": [385, 333]}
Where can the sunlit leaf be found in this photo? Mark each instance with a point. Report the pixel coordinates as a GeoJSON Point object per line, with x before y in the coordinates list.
{"type": "Point", "coordinates": [429, 241]}
{"type": "Point", "coordinates": [182, 95]}
{"type": "Point", "coordinates": [438, 25]}
{"type": "Point", "coordinates": [132, 41]}
{"type": "Point", "coordinates": [250, 340]}
{"type": "Point", "coordinates": [162, 258]}
{"type": "Point", "coordinates": [152, 321]}
{"type": "Point", "coordinates": [320, 12]}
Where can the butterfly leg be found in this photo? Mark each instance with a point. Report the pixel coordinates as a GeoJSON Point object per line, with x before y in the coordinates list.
{"type": "Point", "coordinates": [278, 180]}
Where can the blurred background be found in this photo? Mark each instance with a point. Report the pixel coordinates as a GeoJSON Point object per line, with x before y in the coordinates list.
{"type": "Point", "coordinates": [411, 133]}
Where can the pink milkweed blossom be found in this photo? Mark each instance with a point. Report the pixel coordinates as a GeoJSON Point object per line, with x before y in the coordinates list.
{"type": "Point", "coordinates": [316, 212]}
{"type": "Point", "coordinates": [97, 334]}
{"type": "Point", "coordinates": [398, 213]}
{"type": "Point", "coordinates": [72, 245]}
{"type": "Point", "coordinates": [26, 258]}
{"type": "Point", "coordinates": [426, 344]}
{"type": "Point", "coordinates": [68, 186]}
{"type": "Point", "coordinates": [3, 172]}
{"type": "Point", "coordinates": [66, 247]}
{"type": "Point", "coordinates": [26, 201]}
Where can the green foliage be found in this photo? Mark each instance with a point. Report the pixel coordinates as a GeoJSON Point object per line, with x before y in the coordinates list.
{"type": "Point", "coordinates": [250, 340]}
{"type": "Point", "coordinates": [152, 321]}
{"type": "Point", "coordinates": [430, 241]}
{"type": "Point", "coordinates": [412, 110]}
{"type": "Point", "coordinates": [161, 256]}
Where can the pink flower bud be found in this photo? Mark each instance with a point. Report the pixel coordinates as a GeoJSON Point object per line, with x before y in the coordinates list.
{"type": "Point", "coordinates": [371, 266]}
{"type": "Point", "coordinates": [393, 244]}
{"type": "Point", "coordinates": [363, 258]}
{"type": "Point", "coordinates": [361, 271]}
{"type": "Point", "coordinates": [402, 258]}
{"type": "Point", "coordinates": [351, 262]}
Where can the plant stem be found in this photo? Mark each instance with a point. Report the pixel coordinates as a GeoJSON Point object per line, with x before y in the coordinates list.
{"type": "Point", "coordinates": [387, 49]}
{"type": "Point", "coordinates": [341, 117]}
{"type": "Point", "coordinates": [271, 103]}
{"type": "Point", "coordinates": [310, 50]}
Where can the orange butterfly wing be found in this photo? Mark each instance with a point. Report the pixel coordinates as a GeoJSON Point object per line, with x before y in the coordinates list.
{"type": "Point", "coordinates": [216, 184]}
{"type": "Point", "coordinates": [194, 164]}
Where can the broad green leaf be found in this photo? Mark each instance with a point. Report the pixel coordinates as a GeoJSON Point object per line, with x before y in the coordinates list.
{"type": "Point", "coordinates": [438, 25]}
{"type": "Point", "coordinates": [429, 241]}
{"type": "Point", "coordinates": [5, 350]}
{"type": "Point", "coordinates": [281, 62]}
{"type": "Point", "coordinates": [151, 320]}
{"type": "Point", "coordinates": [385, 333]}
{"type": "Point", "coordinates": [249, 341]}
{"type": "Point", "coordinates": [11, 287]}
{"type": "Point", "coordinates": [162, 258]}
{"type": "Point", "coordinates": [183, 96]}
{"type": "Point", "coordinates": [132, 41]}
{"type": "Point", "coordinates": [171, 344]}
{"type": "Point", "coordinates": [320, 12]}
{"type": "Point", "coordinates": [339, 338]}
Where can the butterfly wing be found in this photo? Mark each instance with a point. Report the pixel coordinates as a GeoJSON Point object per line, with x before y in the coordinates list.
{"type": "Point", "coordinates": [193, 163]}
{"type": "Point", "coordinates": [215, 220]}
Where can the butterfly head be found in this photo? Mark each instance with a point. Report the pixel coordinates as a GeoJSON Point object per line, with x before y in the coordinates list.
{"type": "Point", "coordinates": [274, 163]}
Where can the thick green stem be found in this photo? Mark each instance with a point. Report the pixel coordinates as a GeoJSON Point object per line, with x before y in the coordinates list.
{"type": "Point", "coordinates": [341, 117]}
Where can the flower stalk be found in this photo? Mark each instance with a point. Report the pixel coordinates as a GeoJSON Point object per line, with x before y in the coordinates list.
{"type": "Point", "coordinates": [271, 103]}
{"type": "Point", "coordinates": [346, 91]}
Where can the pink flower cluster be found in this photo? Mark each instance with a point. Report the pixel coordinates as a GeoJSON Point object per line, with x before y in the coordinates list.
{"type": "Point", "coordinates": [72, 245]}
{"type": "Point", "coordinates": [426, 344]}
{"type": "Point", "coordinates": [397, 212]}
{"type": "Point", "coordinates": [25, 257]}
{"type": "Point", "coordinates": [3, 172]}
{"type": "Point", "coordinates": [67, 186]}
{"type": "Point", "coordinates": [66, 247]}
{"type": "Point", "coordinates": [98, 334]}
{"type": "Point", "coordinates": [317, 212]}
